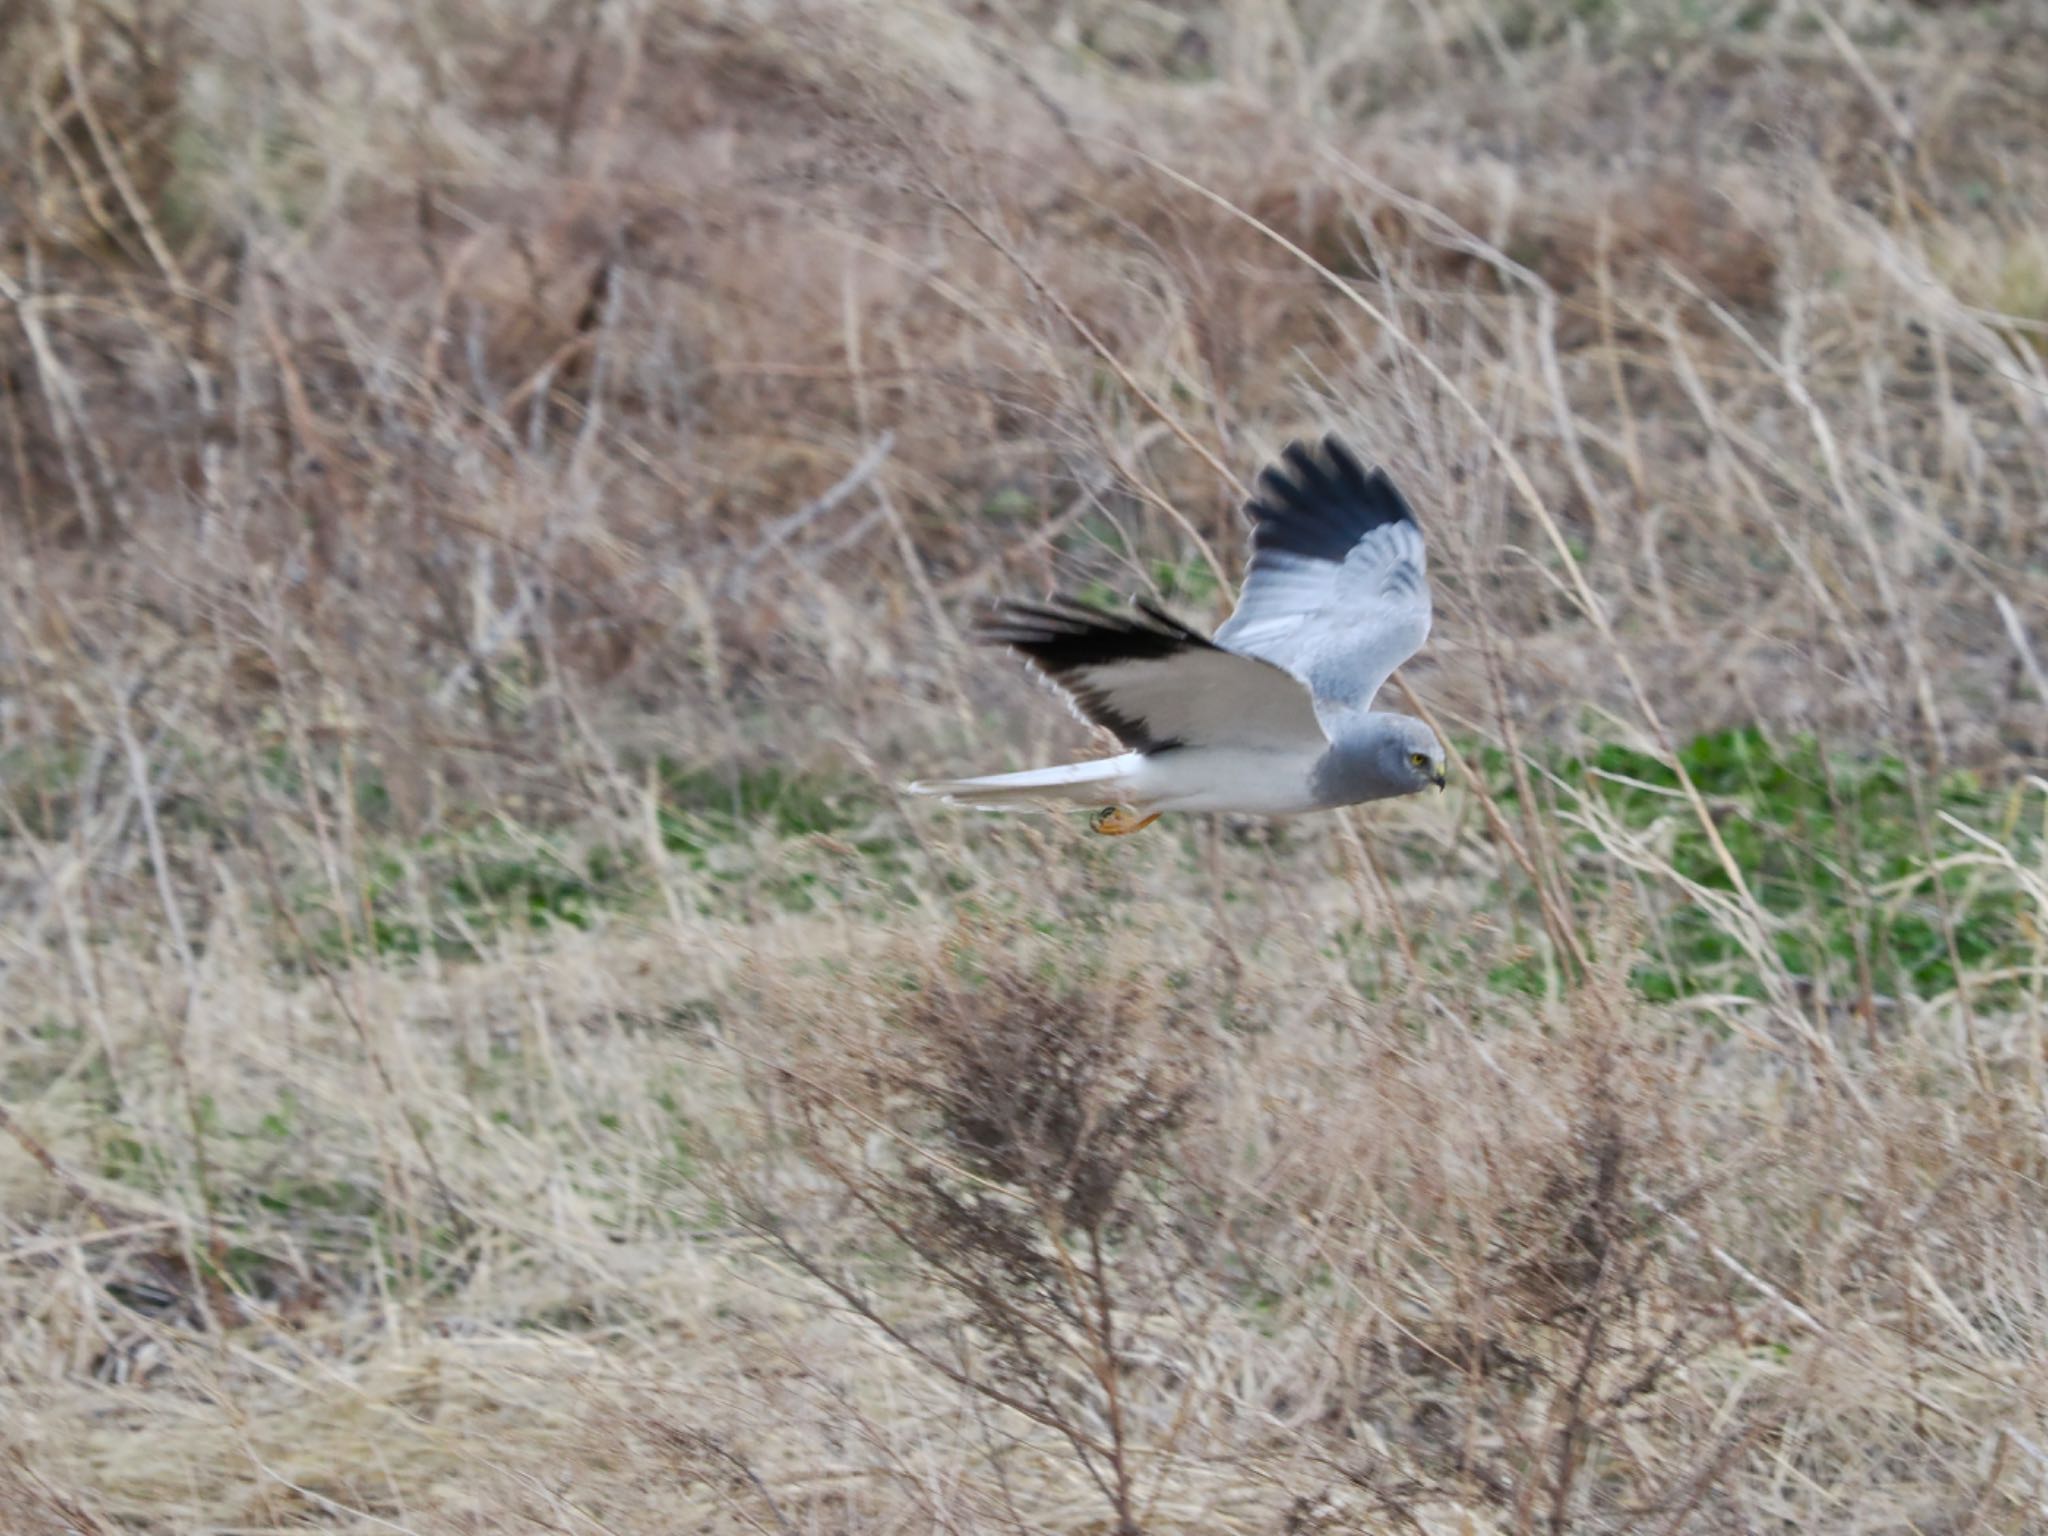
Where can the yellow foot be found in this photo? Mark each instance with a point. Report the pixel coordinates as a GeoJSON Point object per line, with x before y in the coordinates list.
{"type": "Point", "coordinates": [1115, 821]}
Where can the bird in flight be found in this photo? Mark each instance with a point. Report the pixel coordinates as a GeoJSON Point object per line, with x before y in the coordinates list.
{"type": "Point", "coordinates": [1273, 714]}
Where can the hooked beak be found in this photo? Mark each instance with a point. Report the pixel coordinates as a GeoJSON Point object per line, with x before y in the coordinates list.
{"type": "Point", "coordinates": [1439, 782]}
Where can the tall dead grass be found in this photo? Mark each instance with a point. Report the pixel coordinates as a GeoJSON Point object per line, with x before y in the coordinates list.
{"type": "Point", "coordinates": [490, 490]}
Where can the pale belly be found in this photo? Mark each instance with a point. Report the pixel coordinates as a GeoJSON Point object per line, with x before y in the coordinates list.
{"type": "Point", "coordinates": [1222, 779]}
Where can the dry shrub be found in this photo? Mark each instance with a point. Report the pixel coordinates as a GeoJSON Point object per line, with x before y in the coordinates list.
{"type": "Point", "coordinates": [1473, 1296]}
{"type": "Point", "coordinates": [1031, 1124]}
{"type": "Point", "coordinates": [1514, 1300]}
{"type": "Point", "coordinates": [1047, 1092]}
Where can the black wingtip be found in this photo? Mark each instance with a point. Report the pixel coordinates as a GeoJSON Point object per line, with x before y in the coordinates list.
{"type": "Point", "coordinates": [1064, 633]}
{"type": "Point", "coordinates": [1319, 505]}
{"type": "Point", "coordinates": [1065, 636]}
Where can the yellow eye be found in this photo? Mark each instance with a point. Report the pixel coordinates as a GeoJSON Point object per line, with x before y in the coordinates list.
{"type": "Point", "coordinates": [1419, 759]}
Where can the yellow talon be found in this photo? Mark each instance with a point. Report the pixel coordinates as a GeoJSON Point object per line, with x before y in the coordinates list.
{"type": "Point", "coordinates": [1115, 821]}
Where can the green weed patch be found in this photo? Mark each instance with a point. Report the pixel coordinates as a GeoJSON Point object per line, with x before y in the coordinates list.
{"type": "Point", "coordinates": [1869, 883]}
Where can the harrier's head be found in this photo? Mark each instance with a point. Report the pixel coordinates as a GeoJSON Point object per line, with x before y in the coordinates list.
{"type": "Point", "coordinates": [1384, 755]}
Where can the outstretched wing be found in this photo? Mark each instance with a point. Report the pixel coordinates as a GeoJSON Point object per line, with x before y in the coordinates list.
{"type": "Point", "coordinates": [1337, 593]}
{"type": "Point", "coordinates": [1153, 682]}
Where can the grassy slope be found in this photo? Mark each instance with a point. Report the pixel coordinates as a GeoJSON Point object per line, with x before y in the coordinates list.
{"type": "Point", "coordinates": [491, 490]}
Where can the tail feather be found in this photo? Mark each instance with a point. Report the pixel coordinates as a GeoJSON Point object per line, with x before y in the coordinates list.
{"type": "Point", "coordinates": [1093, 783]}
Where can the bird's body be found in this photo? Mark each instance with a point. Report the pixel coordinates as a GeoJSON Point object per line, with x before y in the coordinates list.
{"type": "Point", "coordinates": [1247, 779]}
{"type": "Point", "coordinates": [1273, 715]}
{"type": "Point", "coordinates": [1250, 781]}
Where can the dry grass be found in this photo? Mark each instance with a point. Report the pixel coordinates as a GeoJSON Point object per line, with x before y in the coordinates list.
{"type": "Point", "coordinates": [491, 490]}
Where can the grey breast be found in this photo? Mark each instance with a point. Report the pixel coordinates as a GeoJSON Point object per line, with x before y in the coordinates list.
{"type": "Point", "coordinates": [1351, 772]}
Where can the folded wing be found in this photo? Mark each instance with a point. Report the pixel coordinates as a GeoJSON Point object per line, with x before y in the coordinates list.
{"type": "Point", "coordinates": [1337, 592]}
{"type": "Point", "coordinates": [1153, 682]}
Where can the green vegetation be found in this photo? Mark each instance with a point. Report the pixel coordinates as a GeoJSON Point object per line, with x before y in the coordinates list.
{"type": "Point", "coordinates": [453, 895]}
{"type": "Point", "coordinates": [1871, 888]}
{"type": "Point", "coordinates": [729, 830]}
